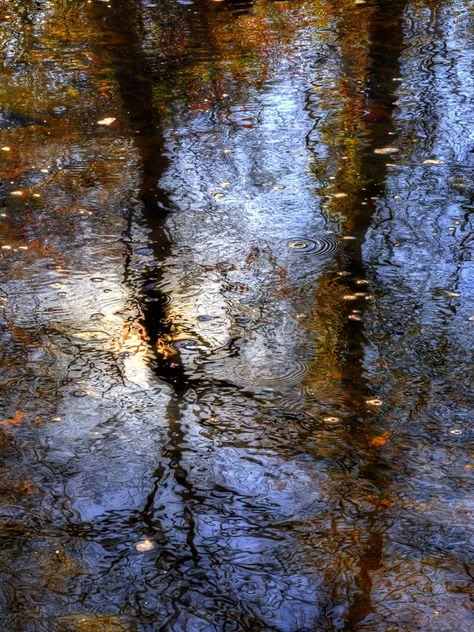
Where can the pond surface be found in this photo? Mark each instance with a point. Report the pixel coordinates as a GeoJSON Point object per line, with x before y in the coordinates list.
{"type": "Point", "coordinates": [236, 315]}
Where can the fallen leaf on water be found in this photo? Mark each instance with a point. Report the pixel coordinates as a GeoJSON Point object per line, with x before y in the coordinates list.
{"type": "Point", "coordinates": [374, 401]}
{"type": "Point", "coordinates": [17, 420]}
{"type": "Point", "coordinates": [107, 120]}
{"type": "Point", "coordinates": [218, 196]}
{"type": "Point", "coordinates": [283, 274]}
{"type": "Point", "coordinates": [386, 151]}
{"type": "Point", "coordinates": [144, 545]}
{"type": "Point", "coordinates": [340, 195]}
{"type": "Point", "coordinates": [378, 442]}
{"type": "Point", "coordinates": [433, 161]}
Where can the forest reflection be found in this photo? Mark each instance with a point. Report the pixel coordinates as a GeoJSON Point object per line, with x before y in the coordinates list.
{"type": "Point", "coordinates": [235, 316]}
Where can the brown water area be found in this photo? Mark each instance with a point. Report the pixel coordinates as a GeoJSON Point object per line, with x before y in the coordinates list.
{"type": "Point", "coordinates": [236, 315]}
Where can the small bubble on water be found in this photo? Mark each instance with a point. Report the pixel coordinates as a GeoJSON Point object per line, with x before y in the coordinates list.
{"type": "Point", "coordinates": [205, 318]}
{"type": "Point", "coordinates": [298, 245]}
{"type": "Point", "coordinates": [80, 393]}
{"type": "Point", "coordinates": [242, 320]}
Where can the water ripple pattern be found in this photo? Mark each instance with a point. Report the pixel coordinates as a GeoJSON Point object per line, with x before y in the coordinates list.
{"type": "Point", "coordinates": [236, 316]}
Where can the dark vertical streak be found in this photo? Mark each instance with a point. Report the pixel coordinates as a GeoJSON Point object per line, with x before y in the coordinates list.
{"type": "Point", "coordinates": [386, 45]}
{"type": "Point", "coordinates": [136, 90]}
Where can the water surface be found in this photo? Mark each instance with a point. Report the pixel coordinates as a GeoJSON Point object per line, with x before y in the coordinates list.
{"type": "Point", "coordinates": [236, 315]}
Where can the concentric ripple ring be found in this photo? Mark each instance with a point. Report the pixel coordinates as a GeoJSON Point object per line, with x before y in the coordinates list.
{"type": "Point", "coordinates": [324, 245]}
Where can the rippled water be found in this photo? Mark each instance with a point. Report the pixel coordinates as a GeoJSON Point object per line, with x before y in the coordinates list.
{"type": "Point", "coordinates": [236, 315]}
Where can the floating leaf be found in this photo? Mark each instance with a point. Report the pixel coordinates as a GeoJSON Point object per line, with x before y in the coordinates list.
{"type": "Point", "coordinates": [17, 420]}
{"type": "Point", "coordinates": [108, 120]}
{"type": "Point", "coordinates": [283, 274]}
{"type": "Point", "coordinates": [386, 151]}
{"type": "Point", "coordinates": [380, 440]}
{"type": "Point", "coordinates": [374, 401]}
{"type": "Point", "coordinates": [433, 161]}
{"type": "Point", "coordinates": [144, 545]}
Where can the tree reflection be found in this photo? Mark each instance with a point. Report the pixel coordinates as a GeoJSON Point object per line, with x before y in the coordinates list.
{"type": "Point", "coordinates": [234, 329]}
